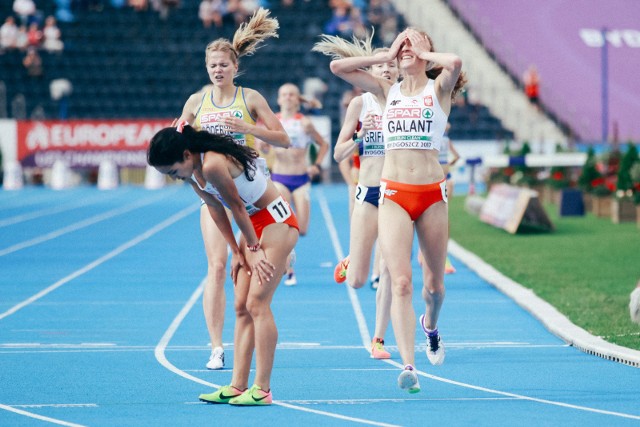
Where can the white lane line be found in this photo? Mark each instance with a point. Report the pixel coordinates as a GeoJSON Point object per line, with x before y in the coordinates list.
{"type": "Point", "coordinates": [173, 327]}
{"type": "Point", "coordinates": [57, 405]}
{"type": "Point", "coordinates": [399, 400]}
{"type": "Point", "coordinates": [361, 320]}
{"type": "Point", "coordinates": [140, 238]}
{"type": "Point", "coordinates": [38, 417]}
{"type": "Point", "coordinates": [81, 224]}
{"type": "Point", "coordinates": [353, 297]}
{"type": "Point", "coordinates": [48, 211]}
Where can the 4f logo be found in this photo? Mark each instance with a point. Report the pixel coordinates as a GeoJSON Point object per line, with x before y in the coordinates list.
{"type": "Point", "coordinates": [390, 193]}
{"type": "Point", "coordinates": [395, 102]}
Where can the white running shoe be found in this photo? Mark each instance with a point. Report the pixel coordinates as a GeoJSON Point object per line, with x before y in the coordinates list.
{"type": "Point", "coordinates": [435, 348]}
{"type": "Point", "coordinates": [291, 279]}
{"type": "Point", "coordinates": [408, 380]}
{"type": "Point", "coordinates": [290, 275]}
{"type": "Point", "coordinates": [216, 360]}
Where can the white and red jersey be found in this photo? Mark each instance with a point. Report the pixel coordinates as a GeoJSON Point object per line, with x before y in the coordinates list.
{"type": "Point", "coordinates": [294, 127]}
{"type": "Point", "coordinates": [413, 122]}
{"type": "Point", "coordinates": [372, 141]}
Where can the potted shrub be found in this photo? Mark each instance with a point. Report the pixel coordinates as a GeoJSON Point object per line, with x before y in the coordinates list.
{"type": "Point", "coordinates": [558, 179]}
{"type": "Point", "coordinates": [623, 206]}
{"type": "Point", "coordinates": [588, 176]}
{"type": "Point", "coordinates": [635, 178]}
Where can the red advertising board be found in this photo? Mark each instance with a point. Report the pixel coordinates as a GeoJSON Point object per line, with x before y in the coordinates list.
{"type": "Point", "coordinates": [85, 143]}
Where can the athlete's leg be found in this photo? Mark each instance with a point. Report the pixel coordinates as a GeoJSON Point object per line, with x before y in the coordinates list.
{"type": "Point", "coordinates": [431, 228]}
{"type": "Point", "coordinates": [375, 268]}
{"type": "Point", "coordinates": [244, 333]}
{"type": "Point", "coordinates": [302, 205]}
{"type": "Point", "coordinates": [395, 235]}
{"type": "Point", "coordinates": [213, 298]}
{"type": "Point", "coordinates": [277, 242]}
{"type": "Point", "coordinates": [383, 301]}
{"type": "Point", "coordinates": [364, 230]}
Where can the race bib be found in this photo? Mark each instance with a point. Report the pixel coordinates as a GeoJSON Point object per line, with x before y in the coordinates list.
{"type": "Point", "coordinates": [279, 209]}
{"type": "Point", "coordinates": [383, 188]}
{"type": "Point", "coordinates": [361, 193]}
{"type": "Point", "coordinates": [443, 189]}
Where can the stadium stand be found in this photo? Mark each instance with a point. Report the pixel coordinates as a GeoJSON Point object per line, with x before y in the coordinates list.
{"type": "Point", "coordinates": [564, 42]}
{"type": "Point", "coordinates": [128, 64]}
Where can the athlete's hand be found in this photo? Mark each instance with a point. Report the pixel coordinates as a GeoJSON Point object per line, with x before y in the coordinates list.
{"type": "Point", "coordinates": [238, 262]}
{"type": "Point", "coordinates": [369, 121]}
{"type": "Point", "coordinates": [260, 266]}
{"type": "Point", "coordinates": [395, 47]}
{"type": "Point", "coordinates": [419, 43]}
{"type": "Point", "coordinates": [237, 125]}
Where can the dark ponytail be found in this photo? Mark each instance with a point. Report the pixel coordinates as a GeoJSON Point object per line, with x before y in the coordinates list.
{"type": "Point", "coordinates": [168, 145]}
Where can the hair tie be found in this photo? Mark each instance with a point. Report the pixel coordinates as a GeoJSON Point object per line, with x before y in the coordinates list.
{"type": "Point", "coordinates": [181, 125]}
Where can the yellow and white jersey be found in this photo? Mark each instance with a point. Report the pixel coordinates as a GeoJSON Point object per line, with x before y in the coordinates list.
{"type": "Point", "coordinates": [209, 116]}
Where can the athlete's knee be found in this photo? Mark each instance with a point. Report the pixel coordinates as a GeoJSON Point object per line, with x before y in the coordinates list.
{"type": "Point", "coordinates": [216, 268]}
{"type": "Point", "coordinates": [256, 307]}
{"type": "Point", "coordinates": [356, 280]}
{"type": "Point", "coordinates": [433, 291]}
{"type": "Point", "coordinates": [402, 286]}
{"type": "Point", "coordinates": [240, 307]}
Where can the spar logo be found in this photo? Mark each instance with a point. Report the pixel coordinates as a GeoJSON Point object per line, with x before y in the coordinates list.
{"type": "Point", "coordinates": [404, 113]}
{"type": "Point", "coordinates": [427, 113]}
{"type": "Point", "coordinates": [217, 116]}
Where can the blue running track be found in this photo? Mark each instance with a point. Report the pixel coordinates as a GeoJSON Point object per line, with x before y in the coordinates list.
{"type": "Point", "coordinates": [101, 324]}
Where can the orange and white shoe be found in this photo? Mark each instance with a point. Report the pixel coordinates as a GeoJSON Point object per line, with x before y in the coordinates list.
{"type": "Point", "coordinates": [448, 267]}
{"type": "Point", "coordinates": [377, 349]}
{"type": "Point", "coordinates": [340, 272]}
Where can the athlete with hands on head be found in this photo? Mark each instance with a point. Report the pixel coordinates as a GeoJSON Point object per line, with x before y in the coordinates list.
{"type": "Point", "coordinates": [413, 194]}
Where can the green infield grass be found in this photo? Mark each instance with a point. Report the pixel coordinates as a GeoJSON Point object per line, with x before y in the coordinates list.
{"type": "Point", "coordinates": [586, 268]}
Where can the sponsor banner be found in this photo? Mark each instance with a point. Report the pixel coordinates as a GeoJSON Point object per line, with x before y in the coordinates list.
{"type": "Point", "coordinates": [85, 143]}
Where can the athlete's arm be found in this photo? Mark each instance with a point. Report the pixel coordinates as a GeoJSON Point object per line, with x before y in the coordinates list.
{"type": "Point", "coordinates": [190, 109]}
{"type": "Point", "coordinates": [270, 130]}
{"type": "Point", "coordinates": [215, 170]}
{"type": "Point", "coordinates": [323, 146]}
{"type": "Point", "coordinates": [219, 215]}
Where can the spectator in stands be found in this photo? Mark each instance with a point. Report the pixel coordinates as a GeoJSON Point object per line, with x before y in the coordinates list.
{"type": "Point", "coordinates": [532, 85]}
{"type": "Point", "coordinates": [163, 7]}
{"type": "Point", "coordinates": [33, 63]}
{"type": "Point", "coordinates": [34, 36]}
{"type": "Point", "coordinates": [21, 39]}
{"type": "Point", "coordinates": [139, 5]}
{"type": "Point", "coordinates": [413, 199]}
{"type": "Point", "coordinates": [233, 110]}
{"type": "Point", "coordinates": [241, 9]}
{"type": "Point", "coordinates": [26, 10]}
{"type": "Point", "coordinates": [8, 34]}
{"type": "Point", "coordinates": [212, 12]}
{"type": "Point", "coordinates": [51, 32]}
{"type": "Point", "coordinates": [385, 19]}
{"type": "Point", "coordinates": [340, 23]}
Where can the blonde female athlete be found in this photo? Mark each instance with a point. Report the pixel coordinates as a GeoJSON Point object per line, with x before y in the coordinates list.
{"type": "Point", "coordinates": [290, 171]}
{"type": "Point", "coordinates": [225, 174]}
{"type": "Point", "coordinates": [413, 192]}
{"type": "Point", "coordinates": [229, 109]}
{"type": "Point", "coordinates": [362, 131]}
